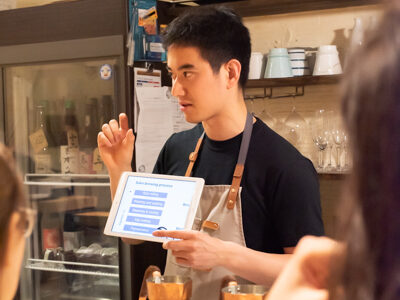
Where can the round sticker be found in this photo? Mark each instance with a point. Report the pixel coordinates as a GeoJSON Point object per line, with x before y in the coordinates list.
{"type": "Point", "coordinates": [105, 72]}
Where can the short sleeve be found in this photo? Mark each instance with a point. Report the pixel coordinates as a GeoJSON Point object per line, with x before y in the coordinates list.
{"type": "Point", "coordinates": [160, 165]}
{"type": "Point", "coordinates": [296, 204]}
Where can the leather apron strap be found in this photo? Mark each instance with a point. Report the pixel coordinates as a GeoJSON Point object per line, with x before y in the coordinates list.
{"type": "Point", "coordinates": [193, 156]}
{"type": "Point", "coordinates": [239, 168]}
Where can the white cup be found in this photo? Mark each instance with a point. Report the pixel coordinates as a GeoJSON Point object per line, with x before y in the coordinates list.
{"type": "Point", "coordinates": [327, 61]}
{"type": "Point", "coordinates": [256, 62]}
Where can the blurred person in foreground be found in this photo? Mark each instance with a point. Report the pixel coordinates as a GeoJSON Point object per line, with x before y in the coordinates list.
{"type": "Point", "coordinates": [16, 222]}
{"type": "Point", "coordinates": [365, 264]}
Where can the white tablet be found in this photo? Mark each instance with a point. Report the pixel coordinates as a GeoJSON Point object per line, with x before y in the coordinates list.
{"type": "Point", "coordinates": [144, 203]}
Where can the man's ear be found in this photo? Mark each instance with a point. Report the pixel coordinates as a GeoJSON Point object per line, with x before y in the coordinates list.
{"type": "Point", "coordinates": [233, 70]}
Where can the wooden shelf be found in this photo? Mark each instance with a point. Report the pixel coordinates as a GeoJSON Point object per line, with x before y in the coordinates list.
{"type": "Point", "coordinates": [269, 7]}
{"type": "Point", "coordinates": [293, 81]}
{"type": "Point", "coordinates": [249, 8]}
{"type": "Point", "coordinates": [63, 20]}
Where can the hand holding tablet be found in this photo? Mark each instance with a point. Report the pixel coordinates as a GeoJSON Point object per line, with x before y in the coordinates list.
{"type": "Point", "coordinates": [144, 203]}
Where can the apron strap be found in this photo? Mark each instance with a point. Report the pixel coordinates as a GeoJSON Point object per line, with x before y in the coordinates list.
{"type": "Point", "coordinates": [238, 173]}
{"type": "Point", "coordinates": [193, 156]}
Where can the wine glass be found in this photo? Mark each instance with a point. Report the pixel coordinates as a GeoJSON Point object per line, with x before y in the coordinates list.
{"type": "Point", "coordinates": [320, 135]}
{"type": "Point", "coordinates": [280, 128]}
{"type": "Point", "coordinates": [345, 150]}
{"type": "Point", "coordinates": [266, 117]}
{"type": "Point", "coordinates": [296, 125]}
{"type": "Point", "coordinates": [329, 120]}
{"type": "Point", "coordinates": [338, 138]}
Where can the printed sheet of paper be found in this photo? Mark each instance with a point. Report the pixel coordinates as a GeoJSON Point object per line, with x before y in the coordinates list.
{"type": "Point", "coordinates": [159, 117]}
{"type": "Point", "coordinates": [144, 78]}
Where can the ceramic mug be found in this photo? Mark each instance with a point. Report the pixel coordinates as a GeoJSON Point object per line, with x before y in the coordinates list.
{"type": "Point", "coordinates": [278, 65]}
{"type": "Point", "coordinates": [327, 61]}
{"type": "Point", "coordinates": [299, 62]}
{"type": "Point", "coordinates": [256, 62]}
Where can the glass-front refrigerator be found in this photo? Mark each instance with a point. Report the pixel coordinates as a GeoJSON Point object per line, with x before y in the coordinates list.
{"type": "Point", "coordinates": [53, 111]}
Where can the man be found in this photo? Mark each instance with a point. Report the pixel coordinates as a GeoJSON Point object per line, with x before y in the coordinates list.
{"type": "Point", "coordinates": [261, 195]}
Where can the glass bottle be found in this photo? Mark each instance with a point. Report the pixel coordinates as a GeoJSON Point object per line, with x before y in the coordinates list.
{"type": "Point", "coordinates": [40, 143]}
{"type": "Point", "coordinates": [88, 141]}
{"type": "Point", "coordinates": [72, 232]}
{"type": "Point", "coordinates": [51, 231]}
{"type": "Point", "coordinates": [106, 109]}
{"type": "Point", "coordinates": [106, 112]}
{"type": "Point", "coordinates": [357, 36]}
{"type": "Point", "coordinates": [69, 146]}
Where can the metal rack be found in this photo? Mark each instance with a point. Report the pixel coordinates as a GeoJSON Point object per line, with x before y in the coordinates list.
{"type": "Point", "coordinates": [299, 83]}
{"type": "Point", "coordinates": [67, 179]}
{"type": "Point", "coordinates": [59, 266]}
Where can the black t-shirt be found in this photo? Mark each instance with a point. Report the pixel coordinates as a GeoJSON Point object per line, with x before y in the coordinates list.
{"type": "Point", "coordinates": [280, 189]}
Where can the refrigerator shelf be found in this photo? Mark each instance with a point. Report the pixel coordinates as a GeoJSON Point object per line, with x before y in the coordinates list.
{"type": "Point", "coordinates": [58, 266]}
{"type": "Point", "coordinates": [78, 297]}
{"type": "Point", "coordinates": [67, 179]}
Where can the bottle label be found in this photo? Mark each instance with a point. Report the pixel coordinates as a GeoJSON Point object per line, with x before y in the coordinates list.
{"type": "Point", "coordinates": [42, 163]}
{"type": "Point", "coordinates": [72, 136]}
{"type": "Point", "coordinates": [51, 238]}
{"type": "Point", "coordinates": [86, 162]}
{"type": "Point", "coordinates": [156, 47]}
{"type": "Point", "coordinates": [69, 160]}
{"type": "Point", "coordinates": [38, 140]}
{"type": "Point", "coordinates": [98, 165]}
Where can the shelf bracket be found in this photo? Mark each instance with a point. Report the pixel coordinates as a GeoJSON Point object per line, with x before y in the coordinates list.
{"type": "Point", "coordinates": [268, 93]}
{"type": "Point", "coordinates": [299, 91]}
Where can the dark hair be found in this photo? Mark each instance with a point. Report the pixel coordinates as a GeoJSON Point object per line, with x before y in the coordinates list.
{"type": "Point", "coordinates": [219, 34]}
{"type": "Point", "coordinates": [11, 195]}
{"type": "Point", "coordinates": [371, 210]}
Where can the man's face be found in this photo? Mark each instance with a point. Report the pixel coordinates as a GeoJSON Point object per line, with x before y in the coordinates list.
{"type": "Point", "coordinates": [200, 92]}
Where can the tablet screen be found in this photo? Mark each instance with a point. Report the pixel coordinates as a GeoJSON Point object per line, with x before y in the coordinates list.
{"type": "Point", "coordinates": [149, 204]}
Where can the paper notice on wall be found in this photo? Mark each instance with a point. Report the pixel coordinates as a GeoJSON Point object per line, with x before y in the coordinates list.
{"type": "Point", "coordinates": [159, 117]}
{"type": "Point", "coordinates": [144, 78]}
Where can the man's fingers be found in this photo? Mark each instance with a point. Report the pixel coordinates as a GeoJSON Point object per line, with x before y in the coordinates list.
{"type": "Point", "coordinates": [182, 261]}
{"type": "Point", "coordinates": [130, 138]}
{"type": "Point", "coordinates": [108, 133]}
{"type": "Point", "coordinates": [180, 254]}
{"type": "Point", "coordinates": [175, 234]}
{"type": "Point", "coordinates": [115, 130]}
{"type": "Point", "coordinates": [123, 122]}
{"type": "Point", "coordinates": [102, 140]}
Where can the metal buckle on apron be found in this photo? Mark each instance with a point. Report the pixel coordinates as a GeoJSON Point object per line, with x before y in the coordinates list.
{"type": "Point", "coordinates": [234, 190]}
{"type": "Point", "coordinates": [210, 225]}
{"type": "Point", "coordinates": [193, 156]}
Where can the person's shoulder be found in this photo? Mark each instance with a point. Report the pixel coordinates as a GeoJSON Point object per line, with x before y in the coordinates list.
{"type": "Point", "coordinates": [186, 136]}
{"type": "Point", "coordinates": [272, 144]}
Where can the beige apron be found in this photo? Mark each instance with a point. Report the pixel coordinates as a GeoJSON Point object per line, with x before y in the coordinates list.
{"type": "Point", "coordinates": [220, 215]}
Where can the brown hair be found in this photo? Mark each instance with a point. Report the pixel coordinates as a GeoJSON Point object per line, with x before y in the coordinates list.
{"type": "Point", "coordinates": [371, 209]}
{"type": "Point", "coordinates": [11, 194]}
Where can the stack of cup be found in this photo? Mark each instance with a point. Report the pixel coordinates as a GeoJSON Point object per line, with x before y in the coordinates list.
{"type": "Point", "coordinates": [299, 62]}
{"type": "Point", "coordinates": [327, 61]}
{"type": "Point", "coordinates": [256, 63]}
{"type": "Point", "coordinates": [278, 65]}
